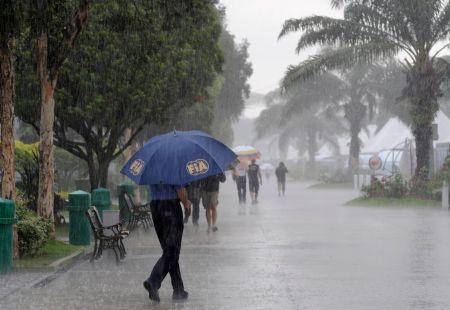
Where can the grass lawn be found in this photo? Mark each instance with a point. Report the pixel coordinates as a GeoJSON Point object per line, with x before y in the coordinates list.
{"type": "Point", "coordinates": [393, 202]}
{"type": "Point", "coordinates": [62, 231]}
{"type": "Point", "coordinates": [51, 252]}
{"type": "Point", "coordinates": [342, 185]}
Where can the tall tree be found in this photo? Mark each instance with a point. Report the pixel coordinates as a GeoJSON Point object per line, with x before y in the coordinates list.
{"type": "Point", "coordinates": [359, 104]}
{"type": "Point", "coordinates": [372, 30]}
{"type": "Point", "coordinates": [55, 25]}
{"type": "Point", "coordinates": [11, 23]}
{"type": "Point", "coordinates": [235, 88]}
{"type": "Point", "coordinates": [136, 65]}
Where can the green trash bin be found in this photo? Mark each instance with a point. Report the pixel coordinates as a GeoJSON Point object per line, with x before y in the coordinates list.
{"type": "Point", "coordinates": [101, 199]}
{"type": "Point", "coordinates": [7, 219]}
{"type": "Point", "coordinates": [79, 229]}
{"type": "Point", "coordinates": [124, 213]}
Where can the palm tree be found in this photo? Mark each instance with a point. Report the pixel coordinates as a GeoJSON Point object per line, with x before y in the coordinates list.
{"type": "Point", "coordinates": [358, 104]}
{"type": "Point", "coordinates": [353, 91]}
{"type": "Point", "coordinates": [303, 116]}
{"type": "Point", "coordinates": [372, 30]}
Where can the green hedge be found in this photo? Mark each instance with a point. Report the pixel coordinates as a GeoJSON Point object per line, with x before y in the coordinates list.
{"type": "Point", "coordinates": [33, 231]}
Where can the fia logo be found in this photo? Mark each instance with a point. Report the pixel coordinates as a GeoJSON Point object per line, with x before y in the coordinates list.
{"type": "Point", "coordinates": [136, 167]}
{"type": "Point", "coordinates": [196, 167]}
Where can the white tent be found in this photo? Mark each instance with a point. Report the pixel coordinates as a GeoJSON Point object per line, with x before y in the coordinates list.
{"type": "Point", "coordinates": [395, 132]}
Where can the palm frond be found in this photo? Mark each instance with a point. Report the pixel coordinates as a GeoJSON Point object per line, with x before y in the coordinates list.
{"type": "Point", "coordinates": [337, 4]}
{"type": "Point", "coordinates": [267, 122]}
{"type": "Point", "coordinates": [442, 66]}
{"type": "Point", "coordinates": [345, 57]}
{"type": "Point", "coordinates": [325, 89]}
{"type": "Point", "coordinates": [312, 23]}
{"type": "Point", "coordinates": [441, 27]}
{"type": "Point", "coordinates": [340, 34]}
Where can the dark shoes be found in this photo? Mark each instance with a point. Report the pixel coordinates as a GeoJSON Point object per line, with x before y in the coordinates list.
{"type": "Point", "coordinates": [152, 292]}
{"type": "Point", "coordinates": [215, 228]}
{"type": "Point", "coordinates": [182, 295]}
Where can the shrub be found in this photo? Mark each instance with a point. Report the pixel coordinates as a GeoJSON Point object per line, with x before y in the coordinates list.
{"type": "Point", "coordinates": [375, 189]}
{"type": "Point", "coordinates": [27, 165]}
{"type": "Point", "coordinates": [338, 176]}
{"type": "Point", "coordinates": [396, 186]}
{"type": "Point", "coordinates": [33, 231]}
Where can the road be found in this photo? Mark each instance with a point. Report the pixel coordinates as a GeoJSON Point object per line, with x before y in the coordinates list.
{"type": "Point", "coordinates": [302, 251]}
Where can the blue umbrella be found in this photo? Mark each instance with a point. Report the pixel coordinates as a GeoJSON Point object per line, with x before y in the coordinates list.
{"type": "Point", "coordinates": [178, 158]}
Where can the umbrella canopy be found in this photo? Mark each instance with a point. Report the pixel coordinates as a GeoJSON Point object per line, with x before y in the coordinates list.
{"type": "Point", "coordinates": [266, 166]}
{"type": "Point", "coordinates": [178, 158]}
{"type": "Point", "coordinates": [247, 152]}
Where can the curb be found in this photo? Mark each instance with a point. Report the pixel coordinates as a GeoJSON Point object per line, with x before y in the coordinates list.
{"type": "Point", "coordinates": [68, 260]}
{"type": "Point", "coordinates": [59, 264]}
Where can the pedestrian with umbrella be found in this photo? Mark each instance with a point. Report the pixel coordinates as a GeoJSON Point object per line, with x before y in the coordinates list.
{"type": "Point", "coordinates": [247, 153]}
{"type": "Point", "coordinates": [168, 163]}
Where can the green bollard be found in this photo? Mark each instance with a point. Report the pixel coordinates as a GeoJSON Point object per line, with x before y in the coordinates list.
{"type": "Point", "coordinates": [124, 213]}
{"type": "Point", "coordinates": [101, 199]}
{"type": "Point", "coordinates": [7, 219]}
{"type": "Point", "coordinates": [79, 228]}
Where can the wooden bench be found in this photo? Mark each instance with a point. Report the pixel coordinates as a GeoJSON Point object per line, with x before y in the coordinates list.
{"type": "Point", "coordinates": [138, 213]}
{"type": "Point", "coordinates": [106, 237]}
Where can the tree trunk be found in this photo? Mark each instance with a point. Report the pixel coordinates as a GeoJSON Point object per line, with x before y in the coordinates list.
{"type": "Point", "coordinates": [312, 149]}
{"type": "Point", "coordinates": [98, 172]}
{"type": "Point", "coordinates": [423, 136]}
{"type": "Point", "coordinates": [355, 145]}
{"type": "Point", "coordinates": [7, 123]}
{"type": "Point", "coordinates": [354, 113]}
{"type": "Point", "coordinates": [103, 173]}
{"type": "Point", "coordinates": [7, 100]}
{"type": "Point", "coordinates": [424, 87]}
{"type": "Point", "coordinates": [46, 161]}
{"type": "Point", "coordinates": [92, 168]}
{"type": "Point", "coordinates": [47, 70]}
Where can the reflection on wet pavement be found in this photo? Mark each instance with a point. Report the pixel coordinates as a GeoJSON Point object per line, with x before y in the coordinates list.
{"type": "Point", "coordinates": [302, 251]}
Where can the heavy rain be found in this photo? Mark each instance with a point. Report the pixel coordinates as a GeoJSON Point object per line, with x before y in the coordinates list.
{"type": "Point", "coordinates": [225, 154]}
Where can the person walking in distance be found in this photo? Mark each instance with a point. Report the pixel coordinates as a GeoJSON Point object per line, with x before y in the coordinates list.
{"type": "Point", "coordinates": [210, 198]}
{"type": "Point", "coordinates": [168, 221]}
{"type": "Point", "coordinates": [280, 172]}
{"type": "Point", "coordinates": [240, 176]}
{"type": "Point", "coordinates": [193, 191]}
{"type": "Point", "coordinates": [254, 180]}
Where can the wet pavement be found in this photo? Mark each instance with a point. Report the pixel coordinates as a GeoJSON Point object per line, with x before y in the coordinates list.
{"type": "Point", "coordinates": [302, 251]}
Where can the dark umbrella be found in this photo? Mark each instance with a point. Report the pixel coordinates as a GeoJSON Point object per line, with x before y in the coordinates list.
{"type": "Point", "coordinates": [178, 158]}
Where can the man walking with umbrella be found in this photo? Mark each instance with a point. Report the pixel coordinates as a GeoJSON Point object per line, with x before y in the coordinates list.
{"type": "Point", "coordinates": [168, 163]}
{"type": "Point", "coordinates": [168, 221]}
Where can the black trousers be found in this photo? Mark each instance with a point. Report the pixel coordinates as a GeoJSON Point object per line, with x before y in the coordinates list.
{"type": "Point", "coordinates": [195, 209]}
{"type": "Point", "coordinates": [241, 183]}
{"type": "Point", "coordinates": [253, 186]}
{"type": "Point", "coordinates": [168, 221]}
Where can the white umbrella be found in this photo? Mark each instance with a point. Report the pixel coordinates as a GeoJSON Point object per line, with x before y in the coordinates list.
{"type": "Point", "coordinates": [266, 166]}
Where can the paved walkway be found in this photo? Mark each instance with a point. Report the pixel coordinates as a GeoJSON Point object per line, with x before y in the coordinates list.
{"type": "Point", "coordinates": [302, 251]}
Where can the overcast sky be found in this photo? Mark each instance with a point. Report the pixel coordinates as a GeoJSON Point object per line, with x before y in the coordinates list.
{"type": "Point", "coordinates": [260, 21]}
